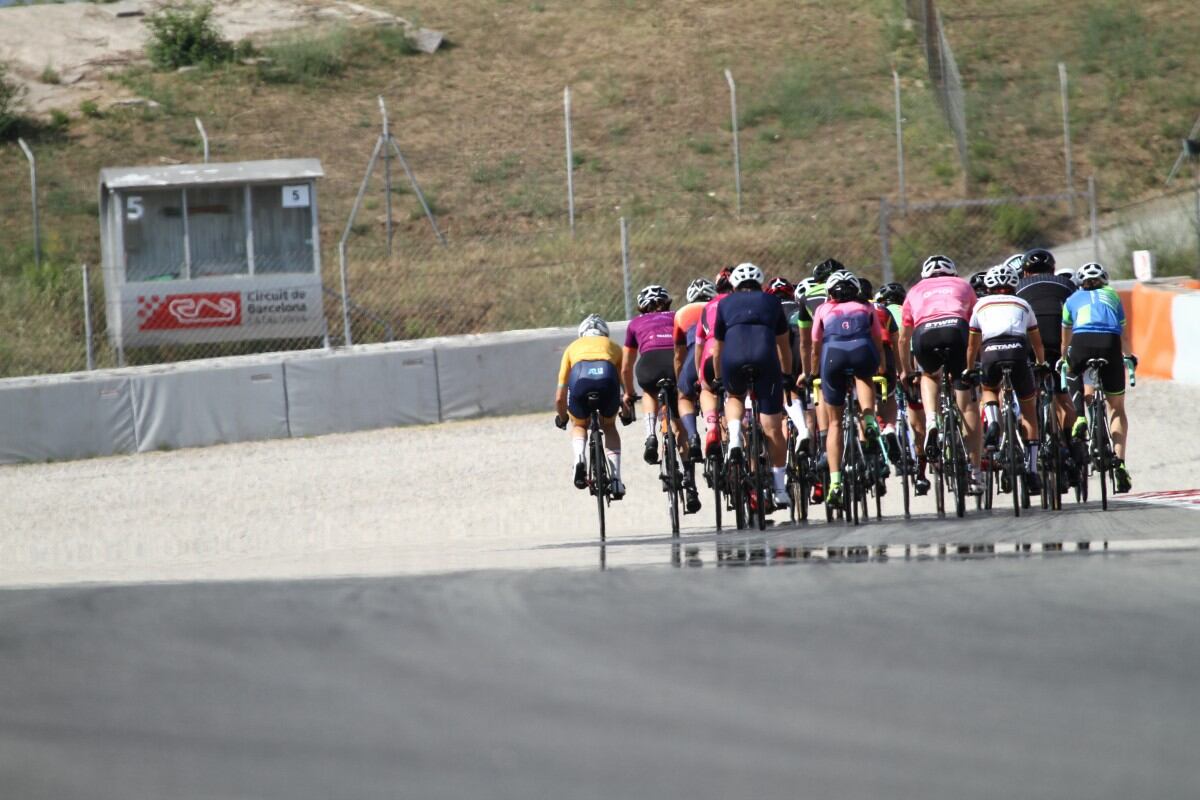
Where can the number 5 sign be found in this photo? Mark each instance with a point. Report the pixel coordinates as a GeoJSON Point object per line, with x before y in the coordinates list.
{"type": "Point", "coordinates": [295, 196]}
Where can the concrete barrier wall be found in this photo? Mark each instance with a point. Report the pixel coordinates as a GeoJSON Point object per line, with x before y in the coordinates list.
{"type": "Point", "coordinates": [1164, 322]}
{"type": "Point", "coordinates": [306, 393]}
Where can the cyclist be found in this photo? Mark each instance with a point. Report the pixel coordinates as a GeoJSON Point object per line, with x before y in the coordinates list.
{"type": "Point", "coordinates": [936, 311]}
{"type": "Point", "coordinates": [751, 330]}
{"type": "Point", "coordinates": [891, 297]}
{"type": "Point", "coordinates": [705, 344]}
{"type": "Point", "coordinates": [650, 341]}
{"type": "Point", "coordinates": [1093, 326]}
{"type": "Point", "coordinates": [814, 295]}
{"type": "Point", "coordinates": [891, 336]}
{"type": "Point", "coordinates": [1046, 292]}
{"type": "Point", "coordinates": [1004, 330]}
{"type": "Point", "coordinates": [848, 335]}
{"type": "Point", "coordinates": [591, 363]}
{"type": "Point", "coordinates": [699, 292]}
{"type": "Point", "coordinates": [977, 284]}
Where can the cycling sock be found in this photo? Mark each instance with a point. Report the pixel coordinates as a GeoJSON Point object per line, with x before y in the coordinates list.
{"type": "Point", "coordinates": [578, 445]}
{"type": "Point", "coordinates": [780, 475]}
{"type": "Point", "coordinates": [821, 439]}
{"type": "Point", "coordinates": [835, 479]}
{"type": "Point", "coordinates": [991, 413]}
{"type": "Point", "coordinates": [930, 419]}
{"type": "Point", "coordinates": [689, 424]}
{"type": "Point", "coordinates": [1031, 450]}
{"type": "Point", "coordinates": [735, 433]}
{"type": "Point", "coordinates": [889, 428]}
{"type": "Point", "coordinates": [650, 420]}
{"type": "Point", "coordinates": [614, 458]}
{"type": "Point", "coordinates": [795, 413]}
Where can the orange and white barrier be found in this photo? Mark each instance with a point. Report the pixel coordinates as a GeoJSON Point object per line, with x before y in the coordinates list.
{"type": "Point", "coordinates": [1164, 320]}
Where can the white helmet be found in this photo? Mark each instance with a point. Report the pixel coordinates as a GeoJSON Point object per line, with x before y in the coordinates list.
{"type": "Point", "coordinates": [594, 325]}
{"type": "Point", "coordinates": [651, 296]}
{"type": "Point", "coordinates": [701, 289]}
{"type": "Point", "coordinates": [1091, 271]}
{"type": "Point", "coordinates": [938, 265]}
{"type": "Point", "coordinates": [1001, 275]}
{"type": "Point", "coordinates": [802, 289]}
{"type": "Point", "coordinates": [1016, 261]}
{"type": "Point", "coordinates": [842, 285]}
{"type": "Point", "coordinates": [745, 272]}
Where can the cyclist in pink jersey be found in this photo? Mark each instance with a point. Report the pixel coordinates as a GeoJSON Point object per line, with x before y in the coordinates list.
{"type": "Point", "coordinates": [934, 321]}
{"type": "Point", "coordinates": [650, 342]}
{"type": "Point", "coordinates": [705, 343]}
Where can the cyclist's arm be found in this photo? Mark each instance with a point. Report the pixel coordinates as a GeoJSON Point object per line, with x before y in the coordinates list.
{"type": "Point", "coordinates": [906, 357]}
{"type": "Point", "coordinates": [680, 355]}
{"type": "Point", "coordinates": [1068, 326]}
{"type": "Point", "coordinates": [974, 344]}
{"type": "Point", "coordinates": [627, 359]}
{"type": "Point", "coordinates": [716, 358]}
{"type": "Point", "coordinates": [783, 347]}
{"type": "Point", "coordinates": [1035, 344]}
{"type": "Point", "coordinates": [560, 401]}
{"type": "Point", "coordinates": [560, 394]}
{"type": "Point", "coordinates": [877, 336]}
{"type": "Point", "coordinates": [1126, 347]}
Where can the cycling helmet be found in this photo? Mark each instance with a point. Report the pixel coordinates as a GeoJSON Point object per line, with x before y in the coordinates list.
{"type": "Point", "coordinates": [891, 293]}
{"type": "Point", "coordinates": [701, 289]}
{"type": "Point", "coordinates": [722, 281]}
{"type": "Point", "coordinates": [782, 288]}
{"type": "Point", "coordinates": [745, 273]}
{"type": "Point", "coordinates": [594, 325]}
{"type": "Point", "coordinates": [842, 286]}
{"type": "Point", "coordinates": [802, 288]}
{"type": "Point", "coordinates": [1001, 276]}
{"type": "Point", "coordinates": [977, 283]}
{"type": "Point", "coordinates": [1038, 261]}
{"type": "Point", "coordinates": [822, 271]}
{"type": "Point", "coordinates": [1016, 261]}
{"type": "Point", "coordinates": [866, 290]}
{"type": "Point", "coordinates": [653, 297]}
{"type": "Point", "coordinates": [938, 265]}
{"type": "Point", "coordinates": [1090, 272]}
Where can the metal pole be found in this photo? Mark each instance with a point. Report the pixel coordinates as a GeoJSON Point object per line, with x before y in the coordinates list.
{"type": "Point", "coordinates": [362, 190]}
{"type": "Point", "coordinates": [412, 179]}
{"type": "Point", "coordinates": [1093, 213]}
{"type": "Point", "coordinates": [899, 143]}
{"type": "Point", "coordinates": [570, 158]}
{"type": "Point", "coordinates": [203, 137]}
{"type": "Point", "coordinates": [87, 319]}
{"type": "Point", "coordinates": [625, 269]}
{"type": "Point", "coordinates": [37, 226]}
{"type": "Point", "coordinates": [1066, 119]}
{"type": "Point", "coordinates": [737, 153]}
{"type": "Point", "coordinates": [1183, 153]}
{"type": "Point", "coordinates": [1198, 210]}
{"type": "Point", "coordinates": [889, 273]}
{"type": "Point", "coordinates": [387, 174]}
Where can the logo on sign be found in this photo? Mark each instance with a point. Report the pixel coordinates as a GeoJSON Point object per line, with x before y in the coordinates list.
{"type": "Point", "coordinates": [182, 311]}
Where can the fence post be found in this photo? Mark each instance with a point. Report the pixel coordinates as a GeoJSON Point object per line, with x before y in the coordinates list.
{"type": "Point", "coordinates": [387, 174]}
{"type": "Point", "coordinates": [889, 273]}
{"type": "Point", "coordinates": [1093, 214]}
{"type": "Point", "coordinates": [737, 153]}
{"type": "Point", "coordinates": [412, 179]}
{"type": "Point", "coordinates": [87, 319]}
{"type": "Point", "coordinates": [1066, 116]}
{"type": "Point", "coordinates": [625, 269]}
{"type": "Point", "coordinates": [570, 158]}
{"type": "Point", "coordinates": [899, 143]}
{"type": "Point", "coordinates": [37, 227]}
{"type": "Point", "coordinates": [203, 137]}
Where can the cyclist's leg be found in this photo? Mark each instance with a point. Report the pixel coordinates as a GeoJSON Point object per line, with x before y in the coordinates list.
{"type": "Point", "coordinates": [834, 386]}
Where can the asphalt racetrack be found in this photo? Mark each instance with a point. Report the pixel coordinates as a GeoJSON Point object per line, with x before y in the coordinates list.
{"type": "Point", "coordinates": [1050, 657]}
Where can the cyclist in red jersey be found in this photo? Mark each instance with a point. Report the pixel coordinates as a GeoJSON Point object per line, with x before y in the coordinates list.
{"type": "Point", "coordinates": [705, 344]}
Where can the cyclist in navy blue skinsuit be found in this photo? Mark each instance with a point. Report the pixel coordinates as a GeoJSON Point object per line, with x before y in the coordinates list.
{"type": "Point", "coordinates": [752, 330]}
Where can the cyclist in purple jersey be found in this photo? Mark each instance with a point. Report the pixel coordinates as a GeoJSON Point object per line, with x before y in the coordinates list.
{"type": "Point", "coordinates": [650, 342]}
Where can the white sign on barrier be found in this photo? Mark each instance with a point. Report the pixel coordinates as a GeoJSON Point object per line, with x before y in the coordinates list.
{"type": "Point", "coordinates": [1143, 265]}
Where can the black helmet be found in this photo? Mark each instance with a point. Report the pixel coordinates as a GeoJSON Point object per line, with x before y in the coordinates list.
{"type": "Point", "coordinates": [1038, 261]}
{"type": "Point", "coordinates": [977, 284]}
{"type": "Point", "coordinates": [822, 271]}
{"type": "Point", "coordinates": [866, 291]}
{"type": "Point", "coordinates": [891, 293]}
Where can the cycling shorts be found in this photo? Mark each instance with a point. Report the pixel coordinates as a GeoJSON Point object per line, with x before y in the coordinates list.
{"type": "Point", "coordinates": [654, 366]}
{"type": "Point", "coordinates": [1012, 350]}
{"type": "Point", "coordinates": [949, 333]}
{"type": "Point", "coordinates": [689, 381]}
{"type": "Point", "coordinates": [593, 376]}
{"type": "Point", "coordinates": [768, 382]}
{"type": "Point", "coordinates": [1099, 345]}
{"type": "Point", "coordinates": [835, 361]}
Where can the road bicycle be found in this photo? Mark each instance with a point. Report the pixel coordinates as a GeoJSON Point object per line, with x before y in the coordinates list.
{"type": "Point", "coordinates": [1101, 454]}
{"type": "Point", "coordinates": [1050, 456]}
{"type": "Point", "coordinates": [800, 464]}
{"type": "Point", "coordinates": [1006, 458]}
{"type": "Point", "coordinates": [859, 473]}
{"type": "Point", "coordinates": [669, 472]}
{"type": "Point", "coordinates": [714, 463]}
{"type": "Point", "coordinates": [748, 478]}
{"type": "Point", "coordinates": [598, 469]}
{"type": "Point", "coordinates": [906, 466]}
{"type": "Point", "coordinates": [949, 460]}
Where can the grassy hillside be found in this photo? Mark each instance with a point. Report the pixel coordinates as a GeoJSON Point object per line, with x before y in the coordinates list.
{"type": "Point", "coordinates": [481, 124]}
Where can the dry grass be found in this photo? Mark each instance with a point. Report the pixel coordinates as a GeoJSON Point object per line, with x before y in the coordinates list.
{"type": "Point", "coordinates": [481, 123]}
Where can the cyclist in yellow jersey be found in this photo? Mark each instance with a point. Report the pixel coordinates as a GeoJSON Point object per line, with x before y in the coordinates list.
{"type": "Point", "coordinates": [591, 363]}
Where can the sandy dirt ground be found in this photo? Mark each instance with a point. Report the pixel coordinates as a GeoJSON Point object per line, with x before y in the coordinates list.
{"type": "Point", "coordinates": [82, 41]}
{"type": "Point", "coordinates": [492, 493]}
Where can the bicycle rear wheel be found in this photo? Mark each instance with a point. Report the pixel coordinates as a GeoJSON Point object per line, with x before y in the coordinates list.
{"type": "Point", "coordinates": [599, 475]}
{"type": "Point", "coordinates": [670, 467]}
{"type": "Point", "coordinates": [958, 457]}
{"type": "Point", "coordinates": [1101, 449]}
{"type": "Point", "coordinates": [905, 463]}
{"type": "Point", "coordinates": [761, 472]}
{"type": "Point", "coordinates": [735, 486]}
{"type": "Point", "coordinates": [1010, 457]}
{"type": "Point", "coordinates": [714, 468]}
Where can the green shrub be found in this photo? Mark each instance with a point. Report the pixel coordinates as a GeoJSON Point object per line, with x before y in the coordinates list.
{"type": "Point", "coordinates": [50, 75]}
{"type": "Point", "coordinates": [1016, 225]}
{"type": "Point", "coordinates": [185, 35]}
{"type": "Point", "coordinates": [90, 110]}
{"type": "Point", "coordinates": [10, 95]}
{"type": "Point", "coordinates": [395, 39]}
{"type": "Point", "coordinates": [306, 59]}
{"type": "Point", "coordinates": [806, 96]}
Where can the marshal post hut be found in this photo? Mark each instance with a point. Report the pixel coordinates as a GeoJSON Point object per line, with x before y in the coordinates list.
{"type": "Point", "coordinates": [199, 253]}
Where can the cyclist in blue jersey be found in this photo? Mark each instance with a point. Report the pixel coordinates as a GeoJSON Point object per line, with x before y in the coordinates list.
{"type": "Point", "coordinates": [1093, 326]}
{"type": "Point", "coordinates": [752, 330]}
